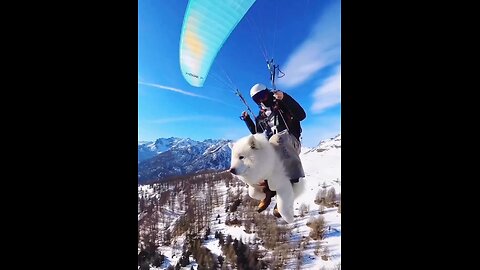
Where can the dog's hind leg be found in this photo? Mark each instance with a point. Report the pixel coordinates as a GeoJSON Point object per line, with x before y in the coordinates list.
{"type": "Point", "coordinates": [299, 188]}
{"type": "Point", "coordinates": [285, 198]}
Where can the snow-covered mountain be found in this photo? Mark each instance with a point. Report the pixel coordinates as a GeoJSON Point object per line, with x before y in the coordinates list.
{"type": "Point", "coordinates": [174, 156]}
{"type": "Point", "coordinates": [297, 245]}
{"type": "Point", "coordinates": [332, 143]}
{"type": "Point", "coordinates": [148, 150]}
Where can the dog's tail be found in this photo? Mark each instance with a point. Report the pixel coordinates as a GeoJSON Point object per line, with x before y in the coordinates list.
{"type": "Point", "coordinates": [299, 187]}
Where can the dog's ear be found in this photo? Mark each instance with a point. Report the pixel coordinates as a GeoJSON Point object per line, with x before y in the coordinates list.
{"type": "Point", "coordinates": [252, 142]}
{"type": "Point", "coordinates": [230, 145]}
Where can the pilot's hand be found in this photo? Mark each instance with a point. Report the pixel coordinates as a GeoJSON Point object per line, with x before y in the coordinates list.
{"type": "Point", "coordinates": [278, 95]}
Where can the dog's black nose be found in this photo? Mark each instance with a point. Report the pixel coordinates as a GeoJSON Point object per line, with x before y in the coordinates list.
{"type": "Point", "coordinates": [233, 171]}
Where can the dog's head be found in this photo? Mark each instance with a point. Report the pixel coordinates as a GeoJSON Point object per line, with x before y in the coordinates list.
{"type": "Point", "coordinates": [248, 154]}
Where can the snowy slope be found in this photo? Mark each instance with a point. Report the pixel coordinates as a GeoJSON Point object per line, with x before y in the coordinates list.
{"type": "Point", "coordinates": [323, 169]}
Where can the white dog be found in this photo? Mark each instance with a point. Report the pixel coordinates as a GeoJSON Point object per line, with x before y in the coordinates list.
{"type": "Point", "coordinates": [253, 160]}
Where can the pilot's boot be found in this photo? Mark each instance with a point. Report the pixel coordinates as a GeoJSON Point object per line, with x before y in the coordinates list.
{"type": "Point", "coordinates": [276, 213]}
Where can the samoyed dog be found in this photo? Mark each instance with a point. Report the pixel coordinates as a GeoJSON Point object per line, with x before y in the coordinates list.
{"type": "Point", "coordinates": [254, 159]}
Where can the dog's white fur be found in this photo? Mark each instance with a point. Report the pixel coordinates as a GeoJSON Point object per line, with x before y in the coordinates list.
{"type": "Point", "coordinates": [253, 160]}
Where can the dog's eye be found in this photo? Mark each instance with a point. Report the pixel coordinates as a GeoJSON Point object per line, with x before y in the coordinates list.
{"type": "Point", "coordinates": [241, 157]}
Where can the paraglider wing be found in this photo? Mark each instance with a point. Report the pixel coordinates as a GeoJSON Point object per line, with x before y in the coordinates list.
{"type": "Point", "coordinates": [206, 27]}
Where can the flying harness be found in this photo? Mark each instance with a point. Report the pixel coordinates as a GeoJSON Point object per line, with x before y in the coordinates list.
{"type": "Point", "coordinates": [274, 73]}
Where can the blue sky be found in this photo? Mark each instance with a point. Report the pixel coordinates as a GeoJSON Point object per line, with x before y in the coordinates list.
{"type": "Point", "coordinates": [302, 36]}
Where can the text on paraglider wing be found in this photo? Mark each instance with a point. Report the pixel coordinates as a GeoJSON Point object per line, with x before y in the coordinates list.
{"type": "Point", "coordinates": [193, 75]}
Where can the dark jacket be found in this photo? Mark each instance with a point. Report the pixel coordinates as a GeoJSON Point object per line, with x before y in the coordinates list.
{"type": "Point", "coordinates": [291, 111]}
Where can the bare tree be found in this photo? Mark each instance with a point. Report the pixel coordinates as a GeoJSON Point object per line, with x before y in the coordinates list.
{"type": "Point", "coordinates": [304, 209]}
{"type": "Point", "coordinates": [317, 226]}
{"type": "Point", "coordinates": [321, 209]}
{"type": "Point", "coordinates": [331, 196]}
{"type": "Point", "coordinates": [320, 196]}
